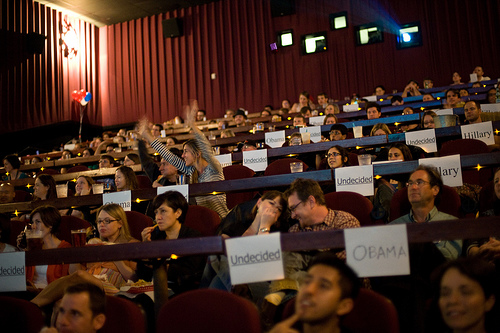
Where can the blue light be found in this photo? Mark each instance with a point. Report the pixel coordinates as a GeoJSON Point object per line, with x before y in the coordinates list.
{"type": "Point", "coordinates": [406, 37]}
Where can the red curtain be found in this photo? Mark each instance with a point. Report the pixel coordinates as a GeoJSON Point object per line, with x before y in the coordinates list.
{"type": "Point", "coordinates": [133, 71]}
{"type": "Point", "coordinates": [36, 88]}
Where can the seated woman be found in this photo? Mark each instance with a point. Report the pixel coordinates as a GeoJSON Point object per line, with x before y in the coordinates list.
{"type": "Point", "coordinates": [131, 159]}
{"type": "Point", "coordinates": [409, 127]}
{"type": "Point", "coordinates": [332, 108]}
{"type": "Point", "coordinates": [380, 129]}
{"type": "Point", "coordinates": [256, 217]}
{"type": "Point", "coordinates": [303, 102]}
{"type": "Point", "coordinates": [47, 220]}
{"type": "Point", "coordinates": [427, 120]}
{"type": "Point", "coordinates": [184, 273]}
{"type": "Point", "coordinates": [113, 229]}
{"type": "Point", "coordinates": [330, 119]}
{"type": "Point", "coordinates": [45, 188]}
{"type": "Point", "coordinates": [198, 161]}
{"type": "Point", "coordinates": [125, 179]}
{"type": "Point", "coordinates": [12, 164]}
{"type": "Point", "coordinates": [465, 297]}
{"type": "Point", "coordinates": [83, 186]}
{"type": "Point", "coordinates": [386, 187]}
{"type": "Point", "coordinates": [335, 157]}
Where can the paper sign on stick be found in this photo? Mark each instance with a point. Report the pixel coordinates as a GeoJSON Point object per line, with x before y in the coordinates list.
{"type": "Point", "coordinates": [123, 198]}
{"type": "Point", "coordinates": [12, 271]}
{"type": "Point", "coordinates": [182, 189]}
{"type": "Point", "coordinates": [315, 132]}
{"type": "Point", "coordinates": [275, 139]}
{"type": "Point", "coordinates": [255, 258]}
{"type": "Point", "coordinates": [378, 251]}
{"type": "Point", "coordinates": [449, 167]}
{"type": "Point", "coordinates": [318, 120]}
{"type": "Point", "coordinates": [255, 159]}
{"type": "Point", "coordinates": [224, 159]}
{"type": "Point", "coordinates": [357, 179]}
{"type": "Point", "coordinates": [480, 131]}
{"type": "Point", "coordinates": [425, 139]}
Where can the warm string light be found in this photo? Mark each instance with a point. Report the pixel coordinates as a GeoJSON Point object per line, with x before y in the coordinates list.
{"type": "Point", "coordinates": [478, 167]}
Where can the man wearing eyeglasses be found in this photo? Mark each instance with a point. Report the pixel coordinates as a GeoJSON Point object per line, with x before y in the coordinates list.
{"type": "Point", "coordinates": [424, 187]}
{"type": "Point", "coordinates": [307, 205]}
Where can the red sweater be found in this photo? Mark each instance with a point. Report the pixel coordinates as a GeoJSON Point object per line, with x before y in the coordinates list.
{"type": "Point", "coordinates": [54, 272]}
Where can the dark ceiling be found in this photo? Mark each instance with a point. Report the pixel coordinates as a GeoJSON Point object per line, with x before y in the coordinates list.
{"type": "Point", "coordinates": [107, 12]}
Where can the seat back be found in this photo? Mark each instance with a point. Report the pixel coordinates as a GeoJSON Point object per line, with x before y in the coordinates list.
{"type": "Point", "coordinates": [77, 168]}
{"type": "Point", "coordinates": [238, 171]}
{"type": "Point", "coordinates": [69, 223]}
{"type": "Point", "coordinates": [487, 197]}
{"type": "Point", "coordinates": [449, 203]}
{"type": "Point", "coordinates": [137, 222]}
{"type": "Point", "coordinates": [18, 315]}
{"type": "Point", "coordinates": [356, 204]}
{"type": "Point", "coordinates": [47, 171]}
{"type": "Point", "coordinates": [468, 147]}
{"type": "Point", "coordinates": [208, 310]}
{"type": "Point", "coordinates": [144, 181]}
{"type": "Point", "coordinates": [372, 313]}
{"type": "Point", "coordinates": [202, 219]}
{"type": "Point", "coordinates": [22, 196]}
{"type": "Point", "coordinates": [123, 316]}
{"type": "Point", "coordinates": [282, 166]}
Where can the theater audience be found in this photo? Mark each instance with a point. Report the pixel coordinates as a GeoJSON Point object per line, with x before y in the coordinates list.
{"type": "Point", "coordinates": [125, 179]}
{"type": "Point", "coordinates": [299, 121]}
{"type": "Point", "coordinates": [306, 111]}
{"type": "Point", "coordinates": [463, 92]}
{"type": "Point", "coordinates": [198, 161]}
{"type": "Point", "coordinates": [453, 99]}
{"type": "Point", "coordinates": [409, 127]}
{"type": "Point", "coordinates": [240, 118]}
{"type": "Point", "coordinates": [491, 96]}
{"type": "Point", "coordinates": [465, 297]}
{"type": "Point", "coordinates": [332, 108]}
{"type": "Point", "coordinates": [12, 164]}
{"type": "Point", "coordinates": [47, 220]}
{"type": "Point", "coordinates": [480, 74]}
{"type": "Point", "coordinates": [338, 132]}
{"type": "Point", "coordinates": [7, 193]}
{"type": "Point", "coordinates": [184, 273]}
{"type": "Point", "coordinates": [110, 276]}
{"type": "Point", "coordinates": [171, 141]}
{"type": "Point", "coordinates": [330, 119]}
{"type": "Point", "coordinates": [373, 111]}
{"type": "Point", "coordinates": [45, 188]}
{"type": "Point", "coordinates": [472, 111]}
{"type": "Point", "coordinates": [457, 79]}
{"type": "Point", "coordinates": [380, 129]}
{"type": "Point", "coordinates": [427, 120]}
{"type": "Point", "coordinates": [131, 159]}
{"type": "Point", "coordinates": [379, 90]}
{"type": "Point", "coordinates": [327, 294]}
{"type": "Point", "coordinates": [411, 89]}
{"type": "Point", "coordinates": [427, 98]}
{"type": "Point", "coordinates": [303, 101]}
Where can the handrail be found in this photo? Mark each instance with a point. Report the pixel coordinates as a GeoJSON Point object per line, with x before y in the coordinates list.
{"type": "Point", "coordinates": [255, 183]}
{"type": "Point", "coordinates": [300, 241]}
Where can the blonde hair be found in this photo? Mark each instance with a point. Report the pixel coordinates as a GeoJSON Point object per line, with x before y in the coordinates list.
{"type": "Point", "coordinates": [381, 126]}
{"type": "Point", "coordinates": [117, 212]}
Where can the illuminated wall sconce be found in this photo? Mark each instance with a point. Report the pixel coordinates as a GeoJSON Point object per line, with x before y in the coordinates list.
{"type": "Point", "coordinates": [409, 35]}
{"type": "Point", "coordinates": [68, 39]}
{"type": "Point", "coordinates": [313, 43]}
{"type": "Point", "coordinates": [338, 21]}
{"type": "Point", "coordinates": [369, 34]}
{"type": "Point", "coordinates": [285, 38]}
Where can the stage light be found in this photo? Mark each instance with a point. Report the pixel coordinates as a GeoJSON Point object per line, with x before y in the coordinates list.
{"type": "Point", "coordinates": [285, 37]}
{"type": "Point", "coordinates": [409, 35]}
{"type": "Point", "coordinates": [338, 21]}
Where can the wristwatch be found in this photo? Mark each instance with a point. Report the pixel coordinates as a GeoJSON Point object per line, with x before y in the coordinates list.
{"type": "Point", "coordinates": [264, 230]}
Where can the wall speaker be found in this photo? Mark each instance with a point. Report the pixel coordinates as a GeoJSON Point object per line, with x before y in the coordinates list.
{"type": "Point", "coordinates": [282, 7]}
{"type": "Point", "coordinates": [172, 28]}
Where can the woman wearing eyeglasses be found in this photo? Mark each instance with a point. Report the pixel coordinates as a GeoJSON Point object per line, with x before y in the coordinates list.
{"type": "Point", "coordinates": [113, 229]}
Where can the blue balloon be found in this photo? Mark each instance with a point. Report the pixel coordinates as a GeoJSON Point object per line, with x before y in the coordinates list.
{"type": "Point", "coordinates": [88, 97]}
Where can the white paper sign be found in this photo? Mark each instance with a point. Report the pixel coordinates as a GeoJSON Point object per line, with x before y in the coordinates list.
{"type": "Point", "coordinates": [350, 108]}
{"type": "Point", "coordinates": [182, 189]}
{"type": "Point", "coordinates": [275, 139]}
{"type": "Point", "coordinates": [378, 251]}
{"type": "Point", "coordinates": [444, 112]}
{"type": "Point", "coordinates": [123, 198]}
{"type": "Point", "coordinates": [318, 120]}
{"type": "Point", "coordinates": [480, 131]}
{"type": "Point", "coordinates": [255, 159]}
{"type": "Point", "coordinates": [473, 77]}
{"type": "Point", "coordinates": [315, 132]}
{"type": "Point", "coordinates": [449, 167]}
{"type": "Point", "coordinates": [255, 258]}
{"type": "Point", "coordinates": [490, 107]}
{"type": "Point", "coordinates": [372, 98]}
{"type": "Point", "coordinates": [12, 271]}
{"type": "Point", "coordinates": [225, 159]}
{"type": "Point", "coordinates": [425, 139]}
{"type": "Point", "coordinates": [357, 179]}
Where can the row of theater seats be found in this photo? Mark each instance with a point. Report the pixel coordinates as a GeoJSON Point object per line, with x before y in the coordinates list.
{"type": "Point", "coordinates": [204, 310]}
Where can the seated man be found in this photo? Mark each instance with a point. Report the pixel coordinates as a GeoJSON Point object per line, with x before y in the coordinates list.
{"type": "Point", "coordinates": [411, 89]}
{"type": "Point", "coordinates": [156, 130]}
{"type": "Point", "coordinates": [7, 193]}
{"type": "Point", "coordinates": [240, 118]}
{"type": "Point", "coordinates": [424, 188]}
{"type": "Point", "coordinates": [327, 293]}
{"type": "Point", "coordinates": [373, 111]}
{"type": "Point", "coordinates": [82, 309]}
{"type": "Point", "coordinates": [472, 111]}
{"type": "Point", "coordinates": [201, 115]}
{"type": "Point", "coordinates": [338, 132]}
{"type": "Point", "coordinates": [397, 100]}
{"type": "Point", "coordinates": [307, 206]}
{"type": "Point", "coordinates": [479, 72]}
{"type": "Point", "coordinates": [299, 121]}
{"type": "Point", "coordinates": [166, 170]}
{"type": "Point", "coordinates": [322, 100]}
